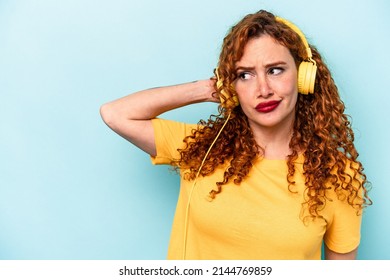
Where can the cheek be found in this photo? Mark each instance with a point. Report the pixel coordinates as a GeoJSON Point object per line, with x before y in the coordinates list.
{"type": "Point", "coordinates": [294, 99]}
{"type": "Point", "coordinates": [242, 92]}
{"type": "Point", "coordinates": [239, 88]}
{"type": "Point", "coordinates": [288, 87]}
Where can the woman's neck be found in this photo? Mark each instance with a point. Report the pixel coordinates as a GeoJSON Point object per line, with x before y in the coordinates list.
{"type": "Point", "coordinates": [274, 141]}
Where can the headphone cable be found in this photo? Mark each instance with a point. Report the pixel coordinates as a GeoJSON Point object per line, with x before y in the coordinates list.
{"type": "Point", "coordinates": [193, 187]}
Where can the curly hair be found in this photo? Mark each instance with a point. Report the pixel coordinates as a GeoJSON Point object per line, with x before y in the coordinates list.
{"type": "Point", "coordinates": [322, 131]}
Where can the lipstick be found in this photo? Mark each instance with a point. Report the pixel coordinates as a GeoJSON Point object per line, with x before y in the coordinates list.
{"type": "Point", "coordinates": [266, 107]}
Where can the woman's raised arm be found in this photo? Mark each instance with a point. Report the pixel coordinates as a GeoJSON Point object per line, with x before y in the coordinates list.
{"type": "Point", "coordinates": [130, 116]}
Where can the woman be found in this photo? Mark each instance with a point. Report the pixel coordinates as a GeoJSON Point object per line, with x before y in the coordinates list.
{"type": "Point", "coordinates": [276, 172]}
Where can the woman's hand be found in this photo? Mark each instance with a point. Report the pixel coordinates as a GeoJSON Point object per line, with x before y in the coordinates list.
{"type": "Point", "coordinates": [212, 84]}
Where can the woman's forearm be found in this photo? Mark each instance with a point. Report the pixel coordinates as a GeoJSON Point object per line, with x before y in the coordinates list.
{"type": "Point", "coordinates": [148, 104]}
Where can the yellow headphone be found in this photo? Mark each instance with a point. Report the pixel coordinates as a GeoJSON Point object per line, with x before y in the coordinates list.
{"type": "Point", "coordinates": [306, 72]}
{"type": "Point", "coordinates": [308, 68]}
{"type": "Point", "coordinates": [226, 100]}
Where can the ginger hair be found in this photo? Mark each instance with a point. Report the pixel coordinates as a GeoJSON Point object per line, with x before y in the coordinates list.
{"type": "Point", "coordinates": [322, 131]}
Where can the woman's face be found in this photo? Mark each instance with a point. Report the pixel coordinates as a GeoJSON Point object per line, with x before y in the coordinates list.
{"type": "Point", "coordinates": [266, 84]}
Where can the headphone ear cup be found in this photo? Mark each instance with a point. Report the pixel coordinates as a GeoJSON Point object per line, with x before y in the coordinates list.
{"type": "Point", "coordinates": [306, 77]}
{"type": "Point", "coordinates": [225, 99]}
{"type": "Point", "coordinates": [313, 73]}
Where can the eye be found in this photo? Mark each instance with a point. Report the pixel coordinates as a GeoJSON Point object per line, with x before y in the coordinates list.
{"type": "Point", "coordinates": [275, 70]}
{"type": "Point", "coordinates": [244, 75]}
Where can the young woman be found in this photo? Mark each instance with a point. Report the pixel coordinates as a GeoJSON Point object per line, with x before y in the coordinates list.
{"type": "Point", "coordinates": [273, 175]}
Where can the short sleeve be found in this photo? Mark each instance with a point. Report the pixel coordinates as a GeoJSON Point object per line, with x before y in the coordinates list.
{"type": "Point", "coordinates": [344, 224]}
{"type": "Point", "coordinates": [343, 231]}
{"type": "Point", "coordinates": [169, 136]}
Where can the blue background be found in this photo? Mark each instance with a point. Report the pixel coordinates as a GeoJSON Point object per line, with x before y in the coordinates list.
{"type": "Point", "coordinates": [72, 189]}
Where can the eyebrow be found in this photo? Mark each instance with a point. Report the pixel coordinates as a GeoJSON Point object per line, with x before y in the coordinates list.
{"type": "Point", "coordinates": [244, 68]}
{"type": "Point", "coordinates": [268, 65]}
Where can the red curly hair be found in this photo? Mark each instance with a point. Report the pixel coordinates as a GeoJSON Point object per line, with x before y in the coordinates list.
{"type": "Point", "coordinates": [322, 131]}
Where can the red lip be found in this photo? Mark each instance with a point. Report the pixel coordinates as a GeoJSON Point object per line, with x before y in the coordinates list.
{"type": "Point", "coordinates": [266, 107]}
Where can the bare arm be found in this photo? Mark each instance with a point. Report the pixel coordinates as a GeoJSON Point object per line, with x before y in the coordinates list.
{"type": "Point", "coordinates": [331, 255]}
{"type": "Point", "coordinates": [130, 116]}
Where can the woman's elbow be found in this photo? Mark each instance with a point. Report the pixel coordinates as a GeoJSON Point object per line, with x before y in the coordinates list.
{"type": "Point", "coordinates": [107, 113]}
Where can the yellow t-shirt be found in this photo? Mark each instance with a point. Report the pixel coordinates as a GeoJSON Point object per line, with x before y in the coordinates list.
{"type": "Point", "coordinates": [258, 219]}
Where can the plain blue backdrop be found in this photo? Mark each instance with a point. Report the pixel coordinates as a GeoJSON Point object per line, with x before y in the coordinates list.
{"type": "Point", "coordinates": [72, 189]}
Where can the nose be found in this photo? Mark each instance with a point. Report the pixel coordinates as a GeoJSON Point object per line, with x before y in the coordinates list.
{"type": "Point", "coordinates": [263, 87]}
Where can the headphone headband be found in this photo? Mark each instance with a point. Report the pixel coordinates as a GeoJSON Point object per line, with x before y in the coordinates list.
{"type": "Point", "coordinates": [308, 68]}
{"type": "Point", "coordinates": [300, 34]}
